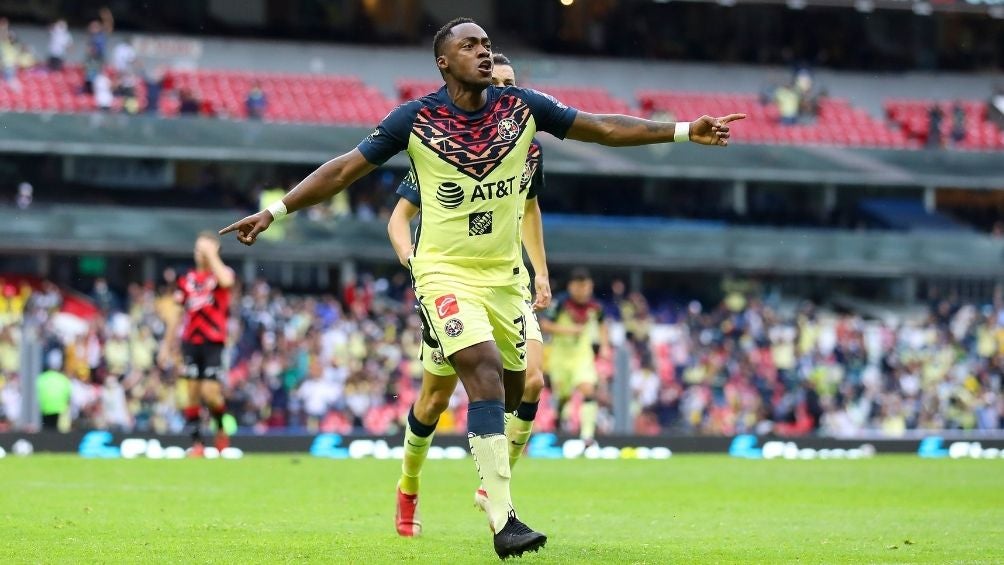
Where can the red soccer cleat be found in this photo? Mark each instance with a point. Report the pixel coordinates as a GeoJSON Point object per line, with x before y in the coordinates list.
{"type": "Point", "coordinates": [406, 518]}
{"type": "Point", "coordinates": [222, 441]}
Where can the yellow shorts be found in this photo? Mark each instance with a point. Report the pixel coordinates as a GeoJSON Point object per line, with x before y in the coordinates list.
{"type": "Point", "coordinates": [456, 316]}
{"type": "Point", "coordinates": [436, 363]}
{"type": "Point", "coordinates": [569, 371]}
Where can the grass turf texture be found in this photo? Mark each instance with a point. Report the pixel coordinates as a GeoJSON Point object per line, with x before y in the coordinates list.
{"type": "Point", "coordinates": [690, 509]}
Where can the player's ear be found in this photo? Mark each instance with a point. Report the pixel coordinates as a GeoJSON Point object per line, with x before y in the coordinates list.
{"type": "Point", "coordinates": [441, 63]}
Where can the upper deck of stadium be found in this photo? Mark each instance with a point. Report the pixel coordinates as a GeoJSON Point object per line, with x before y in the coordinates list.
{"type": "Point", "coordinates": [310, 82]}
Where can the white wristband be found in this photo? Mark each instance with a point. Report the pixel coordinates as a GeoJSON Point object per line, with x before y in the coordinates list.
{"type": "Point", "coordinates": [682, 132]}
{"type": "Point", "coordinates": [277, 209]}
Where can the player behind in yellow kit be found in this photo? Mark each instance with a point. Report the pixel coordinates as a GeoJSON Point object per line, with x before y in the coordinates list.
{"type": "Point", "coordinates": [468, 144]}
{"type": "Point", "coordinates": [438, 378]}
{"type": "Point", "coordinates": [578, 332]}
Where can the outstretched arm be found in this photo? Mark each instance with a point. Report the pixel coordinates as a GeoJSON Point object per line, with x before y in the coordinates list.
{"type": "Point", "coordinates": [399, 230]}
{"type": "Point", "coordinates": [533, 241]}
{"type": "Point", "coordinates": [328, 180]}
{"type": "Point", "coordinates": [617, 130]}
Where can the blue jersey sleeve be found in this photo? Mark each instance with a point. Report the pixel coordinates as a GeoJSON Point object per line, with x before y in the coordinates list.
{"type": "Point", "coordinates": [551, 116]}
{"type": "Point", "coordinates": [391, 136]}
{"type": "Point", "coordinates": [408, 189]}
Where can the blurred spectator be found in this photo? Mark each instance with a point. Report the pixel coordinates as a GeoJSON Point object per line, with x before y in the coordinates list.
{"type": "Point", "coordinates": [255, 103]}
{"type": "Point", "coordinates": [808, 94]}
{"type": "Point", "coordinates": [123, 56]}
{"type": "Point", "coordinates": [92, 68]}
{"type": "Point", "coordinates": [98, 34]}
{"type": "Point", "coordinates": [128, 89]}
{"type": "Point", "coordinates": [154, 83]}
{"type": "Point", "coordinates": [60, 41]}
{"type": "Point", "coordinates": [103, 296]}
{"type": "Point", "coordinates": [995, 108]}
{"type": "Point", "coordinates": [114, 411]}
{"type": "Point", "coordinates": [104, 98]}
{"type": "Point", "coordinates": [189, 103]}
{"type": "Point", "coordinates": [958, 123]}
{"type": "Point", "coordinates": [8, 54]}
{"type": "Point", "coordinates": [25, 193]}
{"type": "Point", "coordinates": [934, 117]}
{"type": "Point", "coordinates": [787, 102]}
{"type": "Point", "coordinates": [10, 402]}
{"type": "Point", "coordinates": [53, 388]}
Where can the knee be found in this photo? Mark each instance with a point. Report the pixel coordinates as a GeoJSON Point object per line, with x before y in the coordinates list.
{"type": "Point", "coordinates": [486, 383]}
{"type": "Point", "coordinates": [430, 405]}
{"type": "Point", "coordinates": [534, 384]}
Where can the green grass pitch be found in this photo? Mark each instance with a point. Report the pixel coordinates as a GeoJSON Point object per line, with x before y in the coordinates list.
{"type": "Point", "coordinates": [689, 509]}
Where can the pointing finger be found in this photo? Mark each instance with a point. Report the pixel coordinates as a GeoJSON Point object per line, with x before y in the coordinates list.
{"type": "Point", "coordinates": [732, 118]}
{"type": "Point", "coordinates": [230, 228]}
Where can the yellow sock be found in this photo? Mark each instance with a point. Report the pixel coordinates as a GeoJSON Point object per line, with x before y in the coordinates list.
{"type": "Point", "coordinates": [415, 450]}
{"type": "Point", "coordinates": [587, 419]}
{"type": "Point", "coordinates": [491, 457]}
{"type": "Point", "coordinates": [517, 431]}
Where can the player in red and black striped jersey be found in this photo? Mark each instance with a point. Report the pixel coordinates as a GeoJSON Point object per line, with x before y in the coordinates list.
{"type": "Point", "coordinates": [204, 293]}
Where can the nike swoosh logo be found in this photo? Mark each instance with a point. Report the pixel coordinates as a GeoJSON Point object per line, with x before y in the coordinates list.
{"type": "Point", "coordinates": [412, 444]}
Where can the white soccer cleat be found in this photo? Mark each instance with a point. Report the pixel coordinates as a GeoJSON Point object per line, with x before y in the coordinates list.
{"type": "Point", "coordinates": [482, 504]}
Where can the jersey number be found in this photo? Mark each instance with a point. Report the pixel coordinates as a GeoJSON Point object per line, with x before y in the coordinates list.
{"type": "Point", "coordinates": [521, 345]}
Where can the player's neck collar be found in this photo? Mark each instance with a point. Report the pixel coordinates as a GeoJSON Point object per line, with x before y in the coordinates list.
{"type": "Point", "coordinates": [490, 95]}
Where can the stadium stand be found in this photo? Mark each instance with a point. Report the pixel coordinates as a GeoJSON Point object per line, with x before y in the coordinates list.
{"type": "Point", "coordinates": [977, 131]}
{"type": "Point", "coordinates": [348, 363]}
{"type": "Point", "coordinates": [838, 122]}
{"type": "Point", "coordinates": [291, 97]}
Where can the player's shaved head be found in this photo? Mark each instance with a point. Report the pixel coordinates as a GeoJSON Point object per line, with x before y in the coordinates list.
{"type": "Point", "coordinates": [500, 59]}
{"type": "Point", "coordinates": [209, 234]}
{"type": "Point", "coordinates": [446, 32]}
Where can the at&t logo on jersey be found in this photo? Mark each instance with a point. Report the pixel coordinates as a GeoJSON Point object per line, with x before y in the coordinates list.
{"type": "Point", "coordinates": [493, 190]}
{"type": "Point", "coordinates": [508, 129]}
{"type": "Point", "coordinates": [447, 306]}
{"type": "Point", "coordinates": [450, 195]}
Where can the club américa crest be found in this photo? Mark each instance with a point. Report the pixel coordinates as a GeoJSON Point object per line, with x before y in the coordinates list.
{"type": "Point", "coordinates": [508, 129]}
{"type": "Point", "coordinates": [453, 327]}
{"type": "Point", "coordinates": [438, 358]}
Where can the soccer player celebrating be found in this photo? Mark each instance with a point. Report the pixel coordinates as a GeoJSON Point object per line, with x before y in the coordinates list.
{"type": "Point", "coordinates": [439, 379]}
{"type": "Point", "coordinates": [578, 332]}
{"type": "Point", "coordinates": [204, 293]}
{"type": "Point", "coordinates": [468, 143]}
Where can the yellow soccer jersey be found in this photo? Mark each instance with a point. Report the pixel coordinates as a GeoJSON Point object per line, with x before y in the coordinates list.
{"type": "Point", "coordinates": [568, 313]}
{"type": "Point", "coordinates": [466, 178]}
{"type": "Point", "coordinates": [531, 182]}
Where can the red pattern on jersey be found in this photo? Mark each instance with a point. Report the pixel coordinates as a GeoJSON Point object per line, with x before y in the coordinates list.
{"type": "Point", "coordinates": [207, 306]}
{"type": "Point", "coordinates": [581, 313]}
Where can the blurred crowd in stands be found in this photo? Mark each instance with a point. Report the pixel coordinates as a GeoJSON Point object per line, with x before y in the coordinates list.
{"type": "Point", "coordinates": [113, 73]}
{"type": "Point", "coordinates": [346, 363]}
